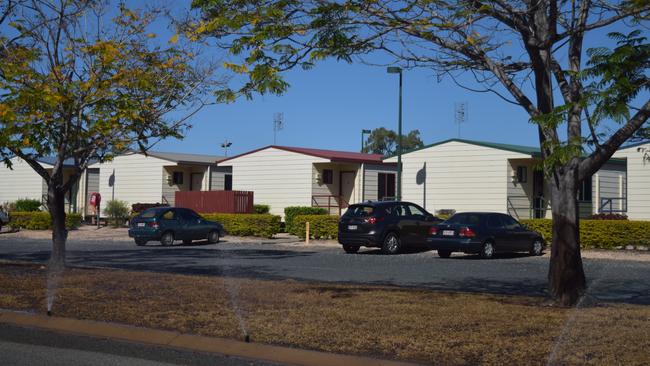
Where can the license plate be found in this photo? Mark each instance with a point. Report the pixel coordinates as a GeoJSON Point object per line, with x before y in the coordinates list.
{"type": "Point", "coordinates": [352, 227]}
{"type": "Point", "coordinates": [140, 224]}
{"type": "Point", "coordinates": [448, 232]}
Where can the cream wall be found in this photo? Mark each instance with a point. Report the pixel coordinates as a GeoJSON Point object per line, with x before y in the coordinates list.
{"type": "Point", "coordinates": [278, 178]}
{"type": "Point", "coordinates": [137, 178]}
{"type": "Point", "coordinates": [638, 181]}
{"type": "Point", "coordinates": [21, 182]}
{"type": "Point", "coordinates": [459, 176]}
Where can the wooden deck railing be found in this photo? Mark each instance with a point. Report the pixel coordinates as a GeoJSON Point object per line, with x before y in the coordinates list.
{"type": "Point", "coordinates": [216, 201]}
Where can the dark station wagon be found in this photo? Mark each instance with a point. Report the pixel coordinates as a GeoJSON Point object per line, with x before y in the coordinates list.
{"type": "Point", "coordinates": [167, 224]}
{"type": "Point", "coordinates": [483, 233]}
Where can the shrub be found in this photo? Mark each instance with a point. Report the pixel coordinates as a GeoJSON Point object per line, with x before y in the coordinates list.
{"type": "Point", "coordinates": [117, 211]}
{"type": "Point", "coordinates": [607, 216]}
{"type": "Point", "coordinates": [320, 226]}
{"type": "Point", "coordinates": [27, 205]}
{"type": "Point", "coordinates": [600, 234]}
{"type": "Point", "coordinates": [139, 207]}
{"type": "Point", "coordinates": [293, 211]}
{"type": "Point", "coordinates": [261, 209]}
{"type": "Point", "coordinates": [260, 225]}
{"type": "Point", "coordinates": [40, 220]}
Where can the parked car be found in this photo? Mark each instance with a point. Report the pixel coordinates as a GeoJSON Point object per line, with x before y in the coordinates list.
{"type": "Point", "coordinates": [389, 225]}
{"type": "Point", "coordinates": [4, 219]}
{"type": "Point", "coordinates": [167, 224]}
{"type": "Point", "coordinates": [484, 233]}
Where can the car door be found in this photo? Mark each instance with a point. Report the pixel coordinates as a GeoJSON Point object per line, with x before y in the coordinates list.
{"type": "Point", "coordinates": [420, 225]}
{"type": "Point", "coordinates": [404, 223]}
{"type": "Point", "coordinates": [496, 229]}
{"type": "Point", "coordinates": [195, 227]}
{"type": "Point", "coordinates": [516, 235]}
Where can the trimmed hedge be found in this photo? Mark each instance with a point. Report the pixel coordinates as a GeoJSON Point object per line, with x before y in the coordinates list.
{"type": "Point", "coordinates": [261, 225]}
{"type": "Point", "coordinates": [28, 205]}
{"type": "Point", "coordinates": [261, 209]}
{"type": "Point", "coordinates": [600, 234]}
{"type": "Point", "coordinates": [320, 226]}
{"type": "Point", "coordinates": [40, 220]}
{"type": "Point", "coordinates": [293, 211]}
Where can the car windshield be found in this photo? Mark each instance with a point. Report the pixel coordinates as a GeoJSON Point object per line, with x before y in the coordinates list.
{"type": "Point", "coordinates": [359, 211]}
{"type": "Point", "coordinates": [464, 219]}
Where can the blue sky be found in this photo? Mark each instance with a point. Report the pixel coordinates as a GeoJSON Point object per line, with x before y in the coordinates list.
{"type": "Point", "coordinates": [328, 106]}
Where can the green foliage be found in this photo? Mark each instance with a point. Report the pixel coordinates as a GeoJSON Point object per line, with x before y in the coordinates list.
{"type": "Point", "coordinates": [383, 141]}
{"type": "Point", "coordinates": [40, 220]}
{"type": "Point", "coordinates": [117, 211]}
{"type": "Point", "coordinates": [600, 234]}
{"type": "Point", "coordinates": [293, 211]}
{"type": "Point", "coordinates": [27, 205]}
{"type": "Point", "coordinates": [261, 209]}
{"type": "Point", "coordinates": [260, 225]}
{"type": "Point", "coordinates": [617, 76]}
{"type": "Point", "coordinates": [320, 226]}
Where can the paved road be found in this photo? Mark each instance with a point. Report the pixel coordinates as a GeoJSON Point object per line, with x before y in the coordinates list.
{"type": "Point", "coordinates": [612, 280]}
{"type": "Point", "coordinates": [33, 347]}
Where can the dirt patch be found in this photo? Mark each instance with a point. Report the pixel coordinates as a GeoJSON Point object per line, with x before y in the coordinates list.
{"type": "Point", "coordinates": [427, 326]}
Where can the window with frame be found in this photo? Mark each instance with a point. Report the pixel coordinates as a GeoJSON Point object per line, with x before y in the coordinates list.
{"type": "Point", "coordinates": [328, 176]}
{"type": "Point", "coordinates": [177, 178]}
{"type": "Point", "coordinates": [584, 190]}
{"type": "Point", "coordinates": [522, 174]}
{"type": "Point", "coordinates": [385, 186]}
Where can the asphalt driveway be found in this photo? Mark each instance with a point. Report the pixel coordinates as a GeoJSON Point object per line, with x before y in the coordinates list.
{"type": "Point", "coordinates": [515, 274]}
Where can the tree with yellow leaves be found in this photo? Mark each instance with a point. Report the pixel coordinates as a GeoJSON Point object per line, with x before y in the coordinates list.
{"type": "Point", "coordinates": [81, 86]}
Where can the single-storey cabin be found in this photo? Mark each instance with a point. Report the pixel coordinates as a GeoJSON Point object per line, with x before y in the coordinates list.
{"type": "Point", "coordinates": [132, 177]}
{"type": "Point", "coordinates": [282, 176]}
{"type": "Point", "coordinates": [156, 177]}
{"type": "Point", "coordinates": [466, 175]}
{"type": "Point", "coordinates": [21, 181]}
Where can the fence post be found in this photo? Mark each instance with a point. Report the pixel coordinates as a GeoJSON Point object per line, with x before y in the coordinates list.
{"type": "Point", "coordinates": [307, 232]}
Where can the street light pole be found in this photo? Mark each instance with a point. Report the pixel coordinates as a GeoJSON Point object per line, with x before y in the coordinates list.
{"type": "Point", "coordinates": [363, 132]}
{"type": "Point", "coordinates": [398, 195]}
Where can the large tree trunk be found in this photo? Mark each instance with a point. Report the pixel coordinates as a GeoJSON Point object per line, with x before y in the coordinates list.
{"type": "Point", "coordinates": [56, 206]}
{"type": "Point", "coordinates": [566, 277]}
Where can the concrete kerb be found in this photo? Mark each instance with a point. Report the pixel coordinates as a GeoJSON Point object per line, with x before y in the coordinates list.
{"type": "Point", "coordinates": [229, 347]}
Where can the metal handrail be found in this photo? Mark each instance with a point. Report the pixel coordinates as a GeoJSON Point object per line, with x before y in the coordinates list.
{"type": "Point", "coordinates": [339, 200]}
{"type": "Point", "coordinates": [609, 201]}
{"type": "Point", "coordinates": [530, 206]}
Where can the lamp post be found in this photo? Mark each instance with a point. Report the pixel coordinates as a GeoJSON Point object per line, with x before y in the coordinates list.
{"type": "Point", "coordinates": [364, 132]}
{"type": "Point", "coordinates": [398, 195]}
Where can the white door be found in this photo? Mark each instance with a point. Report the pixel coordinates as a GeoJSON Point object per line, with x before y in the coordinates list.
{"type": "Point", "coordinates": [347, 186]}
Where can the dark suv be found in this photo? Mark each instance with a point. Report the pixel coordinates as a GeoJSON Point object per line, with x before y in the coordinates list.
{"type": "Point", "coordinates": [388, 225]}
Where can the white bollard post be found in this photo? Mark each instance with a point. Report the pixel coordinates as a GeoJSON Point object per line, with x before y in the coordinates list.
{"type": "Point", "coordinates": [307, 232]}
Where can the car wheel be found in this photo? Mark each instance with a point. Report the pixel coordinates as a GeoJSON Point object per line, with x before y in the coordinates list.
{"type": "Point", "coordinates": [350, 248]}
{"type": "Point", "coordinates": [167, 239]}
{"type": "Point", "coordinates": [187, 242]}
{"type": "Point", "coordinates": [487, 251]}
{"type": "Point", "coordinates": [444, 253]}
{"type": "Point", "coordinates": [537, 247]}
{"type": "Point", "coordinates": [140, 242]}
{"type": "Point", "coordinates": [392, 244]}
{"type": "Point", "coordinates": [213, 237]}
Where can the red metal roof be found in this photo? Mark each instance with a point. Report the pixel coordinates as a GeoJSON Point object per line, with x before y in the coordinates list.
{"type": "Point", "coordinates": [332, 155]}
